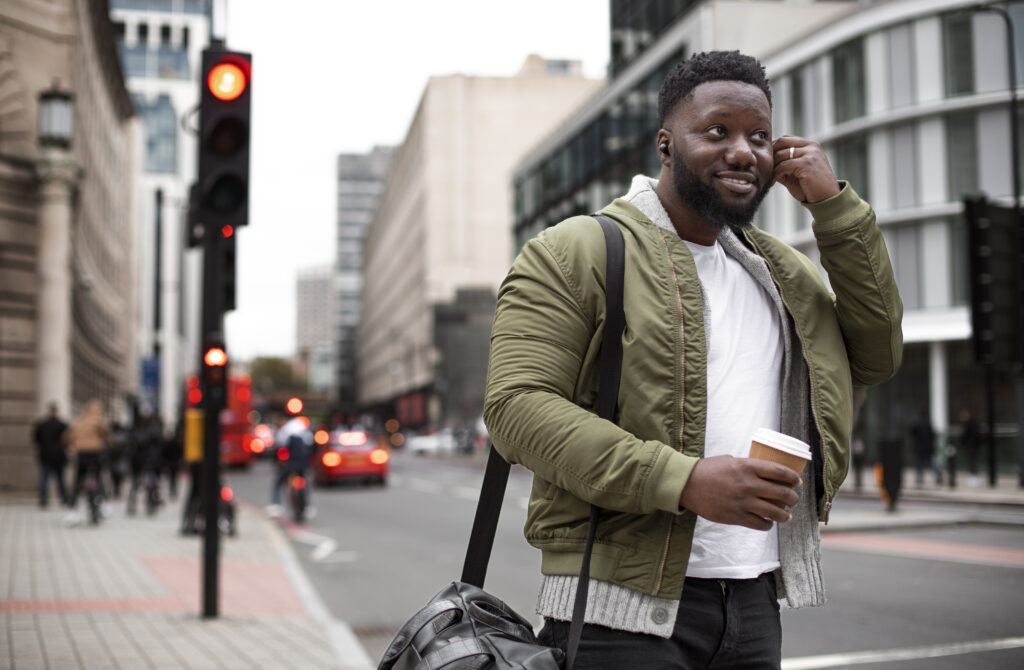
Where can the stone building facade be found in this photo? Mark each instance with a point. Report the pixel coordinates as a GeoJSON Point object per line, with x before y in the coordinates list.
{"type": "Point", "coordinates": [67, 267]}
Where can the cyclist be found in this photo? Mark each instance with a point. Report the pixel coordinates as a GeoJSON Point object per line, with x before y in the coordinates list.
{"type": "Point", "coordinates": [296, 437]}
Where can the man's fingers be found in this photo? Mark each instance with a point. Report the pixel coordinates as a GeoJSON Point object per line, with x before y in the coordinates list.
{"type": "Point", "coordinates": [756, 522]}
{"type": "Point", "coordinates": [775, 472]}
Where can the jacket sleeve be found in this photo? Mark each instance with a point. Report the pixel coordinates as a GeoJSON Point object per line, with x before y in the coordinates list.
{"type": "Point", "coordinates": [542, 337]}
{"type": "Point", "coordinates": [867, 300]}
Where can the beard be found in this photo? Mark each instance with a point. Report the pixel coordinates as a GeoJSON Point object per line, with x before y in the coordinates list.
{"type": "Point", "coordinates": [706, 202]}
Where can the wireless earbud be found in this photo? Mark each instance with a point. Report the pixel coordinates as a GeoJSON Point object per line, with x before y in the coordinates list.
{"type": "Point", "coordinates": [663, 147]}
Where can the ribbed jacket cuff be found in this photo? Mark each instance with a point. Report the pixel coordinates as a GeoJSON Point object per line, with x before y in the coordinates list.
{"type": "Point", "coordinates": [608, 605]}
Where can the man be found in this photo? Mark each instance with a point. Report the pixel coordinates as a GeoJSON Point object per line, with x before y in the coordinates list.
{"type": "Point", "coordinates": [727, 330]}
{"type": "Point", "coordinates": [48, 435]}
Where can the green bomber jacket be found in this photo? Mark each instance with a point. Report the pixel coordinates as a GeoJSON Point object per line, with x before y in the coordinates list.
{"type": "Point", "coordinates": [543, 378]}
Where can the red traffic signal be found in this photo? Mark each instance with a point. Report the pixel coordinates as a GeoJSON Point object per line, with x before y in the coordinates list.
{"type": "Point", "coordinates": [215, 357]}
{"type": "Point", "coordinates": [227, 81]}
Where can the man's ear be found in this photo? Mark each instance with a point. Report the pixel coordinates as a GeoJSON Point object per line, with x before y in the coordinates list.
{"type": "Point", "coordinates": [664, 147]}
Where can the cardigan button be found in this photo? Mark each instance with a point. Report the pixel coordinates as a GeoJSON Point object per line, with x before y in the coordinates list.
{"type": "Point", "coordinates": [659, 615]}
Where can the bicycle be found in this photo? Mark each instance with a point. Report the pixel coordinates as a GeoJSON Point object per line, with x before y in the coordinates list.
{"type": "Point", "coordinates": [298, 496]}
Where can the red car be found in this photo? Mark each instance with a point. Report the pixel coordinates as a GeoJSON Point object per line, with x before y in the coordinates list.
{"type": "Point", "coordinates": [350, 454]}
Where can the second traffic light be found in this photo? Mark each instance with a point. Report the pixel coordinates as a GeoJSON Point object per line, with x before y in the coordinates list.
{"type": "Point", "coordinates": [222, 188]}
{"type": "Point", "coordinates": [993, 254]}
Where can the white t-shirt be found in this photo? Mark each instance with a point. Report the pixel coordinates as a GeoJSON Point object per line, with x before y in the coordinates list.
{"type": "Point", "coordinates": [745, 356]}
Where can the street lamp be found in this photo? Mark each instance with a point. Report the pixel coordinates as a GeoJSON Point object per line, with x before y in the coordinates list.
{"type": "Point", "coordinates": [56, 122]}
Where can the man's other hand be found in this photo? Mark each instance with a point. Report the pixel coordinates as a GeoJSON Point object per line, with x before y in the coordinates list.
{"type": "Point", "coordinates": [740, 491]}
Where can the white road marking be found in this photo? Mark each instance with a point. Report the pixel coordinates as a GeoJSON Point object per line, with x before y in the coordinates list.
{"type": "Point", "coordinates": [308, 537]}
{"type": "Point", "coordinates": [323, 550]}
{"type": "Point", "coordinates": [905, 654]}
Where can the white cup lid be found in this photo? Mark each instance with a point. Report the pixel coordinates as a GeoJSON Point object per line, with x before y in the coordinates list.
{"type": "Point", "coordinates": [782, 442]}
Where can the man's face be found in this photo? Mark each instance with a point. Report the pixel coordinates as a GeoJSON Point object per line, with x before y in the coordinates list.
{"type": "Point", "coordinates": [722, 159]}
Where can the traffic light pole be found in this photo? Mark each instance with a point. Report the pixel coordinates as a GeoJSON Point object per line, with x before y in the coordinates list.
{"type": "Point", "coordinates": [1018, 255]}
{"type": "Point", "coordinates": [213, 403]}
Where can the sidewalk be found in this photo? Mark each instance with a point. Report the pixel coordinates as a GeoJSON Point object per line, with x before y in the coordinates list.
{"type": "Point", "coordinates": [126, 594]}
{"type": "Point", "coordinates": [1003, 503]}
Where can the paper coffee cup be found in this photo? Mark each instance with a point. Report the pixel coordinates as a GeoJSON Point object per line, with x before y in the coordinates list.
{"type": "Point", "coordinates": [769, 445]}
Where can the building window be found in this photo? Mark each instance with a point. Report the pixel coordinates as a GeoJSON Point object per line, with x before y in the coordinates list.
{"type": "Point", "coordinates": [852, 163]}
{"type": "Point", "coordinates": [635, 24]}
{"type": "Point", "coordinates": [133, 59]}
{"type": "Point", "coordinates": [904, 248]}
{"type": "Point", "coordinates": [796, 102]}
{"type": "Point", "coordinates": [962, 154]}
{"type": "Point", "coordinates": [959, 53]}
{"type": "Point", "coordinates": [904, 160]}
{"type": "Point", "coordinates": [143, 33]}
{"type": "Point", "coordinates": [165, 34]}
{"type": "Point", "coordinates": [172, 63]}
{"type": "Point", "coordinates": [159, 121]}
{"type": "Point", "coordinates": [848, 92]}
{"type": "Point", "coordinates": [119, 31]}
{"type": "Point", "coordinates": [958, 269]}
{"type": "Point", "coordinates": [901, 65]}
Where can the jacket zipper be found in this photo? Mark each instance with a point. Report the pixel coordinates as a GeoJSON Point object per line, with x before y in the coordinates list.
{"type": "Point", "coordinates": [814, 395]}
{"type": "Point", "coordinates": [682, 394]}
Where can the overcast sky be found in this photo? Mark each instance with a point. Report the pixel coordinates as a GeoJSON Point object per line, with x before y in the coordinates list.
{"type": "Point", "coordinates": [341, 76]}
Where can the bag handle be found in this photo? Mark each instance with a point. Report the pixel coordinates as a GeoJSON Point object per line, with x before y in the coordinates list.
{"type": "Point", "coordinates": [492, 491]}
{"type": "Point", "coordinates": [607, 400]}
{"type": "Point", "coordinates": [413, 627]}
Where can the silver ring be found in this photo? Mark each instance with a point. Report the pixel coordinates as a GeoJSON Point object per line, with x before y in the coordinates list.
{"type": "Point", "coordinates": [791, 150]}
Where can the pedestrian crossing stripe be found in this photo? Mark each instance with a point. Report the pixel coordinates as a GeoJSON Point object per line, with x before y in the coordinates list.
{"type": "Point", "coordinates": [905, 654]}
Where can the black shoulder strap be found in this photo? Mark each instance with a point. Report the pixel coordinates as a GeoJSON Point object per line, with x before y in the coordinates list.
{"type": "Point", "coordinates": [485, 523]}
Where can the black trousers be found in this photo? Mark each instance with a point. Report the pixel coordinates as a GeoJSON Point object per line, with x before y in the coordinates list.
{"type": "Point", "coordinates": [722, 624]}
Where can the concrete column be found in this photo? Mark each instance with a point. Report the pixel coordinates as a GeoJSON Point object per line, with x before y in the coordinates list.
{"type": "Point", "coordinates": [938, 392]}
{"type": "Point", "coordinates": [58, 176]}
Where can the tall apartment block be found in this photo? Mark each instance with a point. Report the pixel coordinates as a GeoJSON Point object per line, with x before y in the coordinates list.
{"type": "Point", "coordinates": [361, 179]}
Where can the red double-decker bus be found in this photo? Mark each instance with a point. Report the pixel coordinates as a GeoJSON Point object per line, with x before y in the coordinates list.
{"type": "Point", "coordinates": [235, 425]}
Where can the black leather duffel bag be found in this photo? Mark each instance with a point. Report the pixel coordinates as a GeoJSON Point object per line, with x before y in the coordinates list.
{"type": "Point", "coordinates": [464, 627]}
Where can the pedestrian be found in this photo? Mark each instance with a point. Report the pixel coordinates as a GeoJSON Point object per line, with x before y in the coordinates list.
{"type": "Point", "coordinates": [48, 434]}
{"type": "Point", "coordinates": [171, 457]}
{"type": "Point", "coordinates": [145, 454]}
{"type": "Point", "coordinates": [118, 455]}
{"type": "Point", "coordinates": [969, 444]}
{"type": "Point", "coordinates": [727, 330]}
{"type": "Point", "coordinates": [922, 439]}
{"type": "Point", "coordinates": [87, 439]}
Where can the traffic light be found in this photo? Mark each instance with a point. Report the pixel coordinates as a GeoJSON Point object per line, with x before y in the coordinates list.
{"type": "Point", "coordinates": [215, 370]}
{"type": "Point", "coordinates": [222, 189]}
{"type": "Point", "coordinates": [995, 270]}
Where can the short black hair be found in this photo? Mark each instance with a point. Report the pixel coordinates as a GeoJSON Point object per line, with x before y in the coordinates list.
{"type": "Point", "coordinates": [709, 66]}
